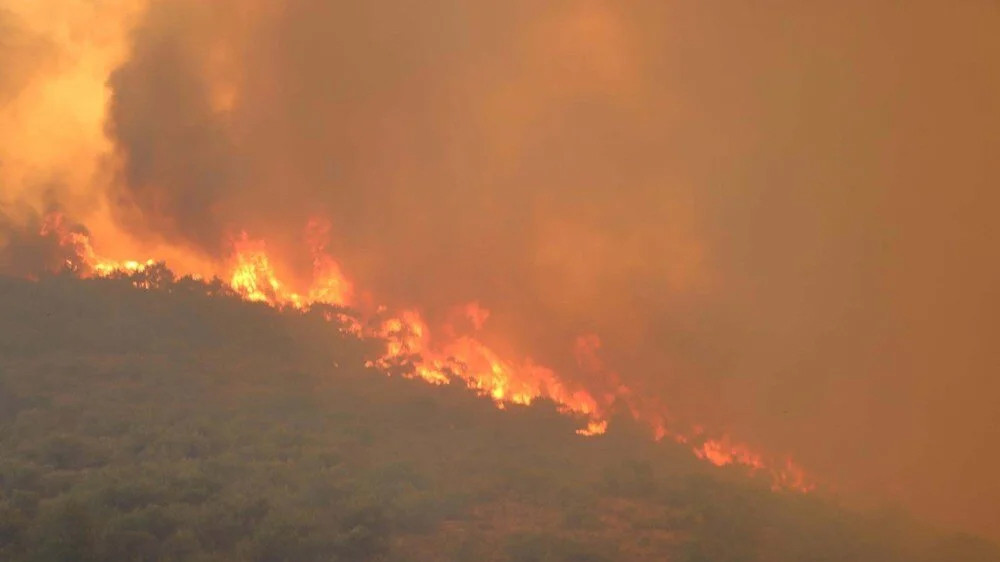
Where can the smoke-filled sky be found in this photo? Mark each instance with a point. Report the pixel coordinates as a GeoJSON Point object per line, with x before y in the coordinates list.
{"type": "Point", "coordinates": [777, 216]}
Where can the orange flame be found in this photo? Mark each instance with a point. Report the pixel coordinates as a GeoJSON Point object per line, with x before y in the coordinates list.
{"type": "Point", "coordinates": [409, 343]}
{"type": "Point", "coordinates": [84, 259]}
{"type": "Point", "coordinates": [253, 276]}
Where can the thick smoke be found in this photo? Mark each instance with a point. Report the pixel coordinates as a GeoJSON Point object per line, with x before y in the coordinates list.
{"type": "Point", "coordinates": [777, 219]}
{"type": "Point", "coordinates": [55, 56]}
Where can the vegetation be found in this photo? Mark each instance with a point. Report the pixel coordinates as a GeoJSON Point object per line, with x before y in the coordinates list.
{"type": "Point", "coordinates": [180, 424]}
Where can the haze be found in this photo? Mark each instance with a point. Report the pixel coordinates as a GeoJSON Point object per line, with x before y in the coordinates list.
{"type": "Point", "coordinates": [777, 218]}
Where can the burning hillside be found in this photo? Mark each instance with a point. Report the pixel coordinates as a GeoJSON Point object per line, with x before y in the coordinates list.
{"type": "Point", "coordinates": [764, 233]}
{"type": "Point", "coordinates": [453, 353]}
{"type": "Point", "coordinates": [178, 421]}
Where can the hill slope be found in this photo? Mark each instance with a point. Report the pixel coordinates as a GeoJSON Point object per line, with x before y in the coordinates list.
{"type": "Point", "coordinates": [184, 424]}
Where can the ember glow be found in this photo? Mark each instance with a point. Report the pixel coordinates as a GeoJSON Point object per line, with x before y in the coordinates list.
{"type": "Point", "coordinates": [409, 343]}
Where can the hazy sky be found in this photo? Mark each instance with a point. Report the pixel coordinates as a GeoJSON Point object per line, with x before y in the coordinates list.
{"type": "Point", "coordinates": [777, 216]}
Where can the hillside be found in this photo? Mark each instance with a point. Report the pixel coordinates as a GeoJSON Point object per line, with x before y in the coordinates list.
{"type": "Point", "coordinates": [184, 424]}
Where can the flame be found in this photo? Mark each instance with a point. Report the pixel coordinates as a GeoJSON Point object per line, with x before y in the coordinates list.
{"type": "Point", "coordinates": [594, 428]}
{"type": "Point", "coordinates": [253, 276]}
{"type": "Point", "coordinates": [721, 452]}
{"type": "Point", "coordinates": [83, 259]}
{"type": "Point", "coordinates": [412, 349]}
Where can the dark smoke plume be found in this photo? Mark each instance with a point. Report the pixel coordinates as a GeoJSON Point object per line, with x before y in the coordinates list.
{"type": "Point", "coordinates": [780, 219]}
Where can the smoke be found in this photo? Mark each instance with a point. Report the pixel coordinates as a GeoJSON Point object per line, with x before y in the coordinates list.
{"type": "Point", "coordinates": [55, 56]}
{"type": "Point", "coordinates": [777, 219]}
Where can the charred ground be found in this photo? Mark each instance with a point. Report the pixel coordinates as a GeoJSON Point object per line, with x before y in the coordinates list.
{"type": "Point", "coordinates": [181, 423]}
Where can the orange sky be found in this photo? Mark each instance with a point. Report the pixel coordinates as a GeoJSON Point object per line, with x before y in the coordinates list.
{"type": "Point", "coordinates": [779, 219]}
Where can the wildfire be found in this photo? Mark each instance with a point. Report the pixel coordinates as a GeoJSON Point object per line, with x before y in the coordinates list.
{"type": "Point", "coordinates": [411, 348]}
{"type": "Point", "coordinates": [253, 276]}
{"type": "Point", "coordinates": [81, 256]}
